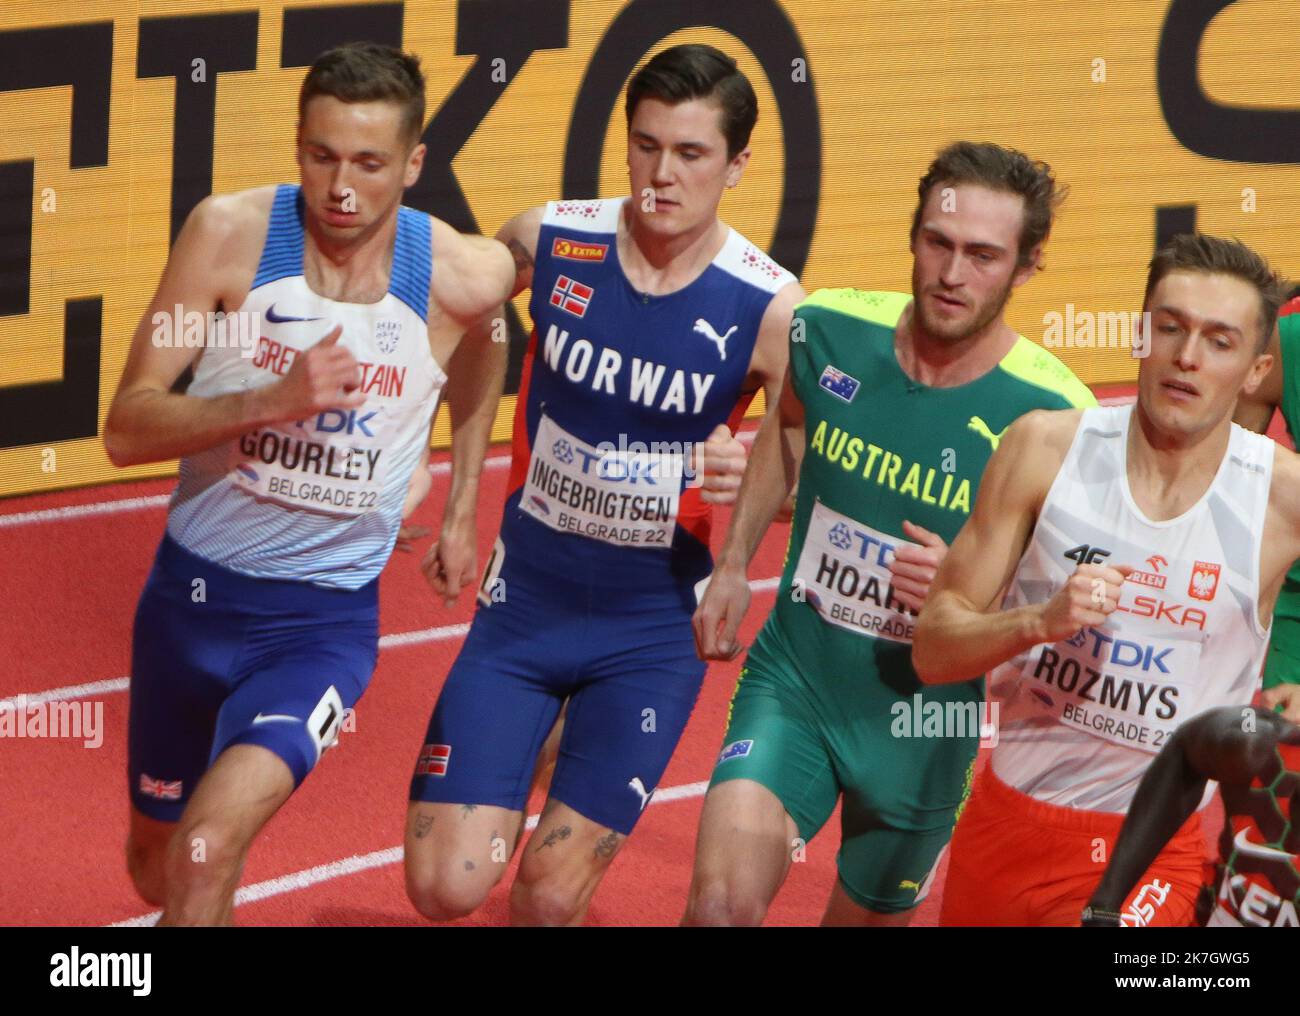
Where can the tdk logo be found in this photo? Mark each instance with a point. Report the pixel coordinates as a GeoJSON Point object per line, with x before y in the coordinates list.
{"type": "Point", "coordinates": [336, 421]}
{"type": "Point", "coordinates": [1121, 652]}
{"type": "Point", "coordinates": [842, 537]}
{"type": "Point", "coordinates": [614, 467]}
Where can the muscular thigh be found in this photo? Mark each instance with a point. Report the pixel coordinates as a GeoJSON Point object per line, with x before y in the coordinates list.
{"type": "Point", "coordinates": [775, 739]}
{"type": "Point", "coordinates": [623, 722]}
{"type": "Point", "coordinates": [498, 704]}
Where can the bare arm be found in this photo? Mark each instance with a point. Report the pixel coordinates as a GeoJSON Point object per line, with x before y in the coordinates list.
{"type": "Point", "coordinates": [476, 277]}
{"type": "Point", "coordinates": [774, 368]}
{"type": "Point", "coordinates": [1255, 409]}
{"type": "Point", "coordinates": [769, 477]}
{"type": "Point", "coordinates": [147, 422]}
{"type": "Point", "coordinates": [1230, 744]}
{"type": "Point", "coordinates": [723, 457]}
{"type": "Point", "coordinates": [957, 636]}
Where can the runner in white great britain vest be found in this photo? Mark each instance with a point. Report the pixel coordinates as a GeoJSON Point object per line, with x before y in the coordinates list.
{"type": "Point", "coordinates": [345, 472]}
{"type": "Point", "coordinates": [317, 318]}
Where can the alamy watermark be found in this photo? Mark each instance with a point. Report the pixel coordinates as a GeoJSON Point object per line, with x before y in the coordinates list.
{"type": "Point", "coordinates": [182, 329]}
{"type": "Point", "coordinates": [918, 718]}
{"type": "Point", "coordinates": [1086, 329]}
{"type": "Point", "coordinates": [60, 720]}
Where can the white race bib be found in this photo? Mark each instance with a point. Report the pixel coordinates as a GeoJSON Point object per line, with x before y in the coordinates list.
{"type": "Point", "coordinates": [331, 463]}
{"type": "Point", "coordinates": [603, 494]}
{"type": "Point", "coordinates": [1133, 691]}
{"type": "Point", "coordinates": [843, 572]}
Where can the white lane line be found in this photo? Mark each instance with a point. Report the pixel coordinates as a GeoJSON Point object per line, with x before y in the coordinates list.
{"type": "Point", "coordinates": [131, 504]}
{"type": "Point", "coordinates": [72, 691]}
{"type": "Point", "coordinates": [75, 511]}
{"type": "Point", "coordinates": [394, 641]}
{"type": "Point", "coordinates": [298, 880]}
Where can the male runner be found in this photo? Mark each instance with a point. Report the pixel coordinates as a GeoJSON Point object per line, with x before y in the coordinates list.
{"type": "Point", "coordinates": [653, 324]}
{"type": "Point", "coordinates": [258, 626]}
{"type": "Point", "coordinates": [890, 412]}
{"type": "Point", "coordinates": [1255, 756]}
{"type": "Point", "coordinates": [1280, 389]}
{"type": "Point", "coordinates": [1144, 546]}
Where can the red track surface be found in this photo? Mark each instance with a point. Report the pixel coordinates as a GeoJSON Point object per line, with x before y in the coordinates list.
{"type": "Point", "coordinates": [70, 589]}
{"type": "Point", "coordinates": [71, 586]}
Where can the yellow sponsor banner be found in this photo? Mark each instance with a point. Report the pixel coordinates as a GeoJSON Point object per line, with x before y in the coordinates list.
{"type": "Point", "coordinates": [1156, 113]}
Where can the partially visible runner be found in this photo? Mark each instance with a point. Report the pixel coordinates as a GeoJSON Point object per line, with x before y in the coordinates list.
{"type": "Point", "coordinates": [653, 324]}
{"type": "Point", "coordinates": [1280, 390]}
{"type": "Point", "coordinates": [258, 627]}
{"type": "Point", "coordinates": [1255, 756]}
{"type": "Point", "coordinates": [1142, 548]}
{"type": "Point", "coordinates": [890, 411]}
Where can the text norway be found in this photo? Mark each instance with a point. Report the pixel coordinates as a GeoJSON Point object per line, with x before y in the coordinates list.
{"type": "Point", "coordinates": [1114, 692]}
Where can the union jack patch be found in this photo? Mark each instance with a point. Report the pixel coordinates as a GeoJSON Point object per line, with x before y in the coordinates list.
{"type": "Point", "coordinates": [164, 790]}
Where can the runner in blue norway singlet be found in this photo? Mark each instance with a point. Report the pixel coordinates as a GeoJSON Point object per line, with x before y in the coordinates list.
{"type": "Point", "coordinates": [589, 592]}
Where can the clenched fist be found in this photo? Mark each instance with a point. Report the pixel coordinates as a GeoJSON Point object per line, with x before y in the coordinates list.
{"type": "Point", "coordinates": [1088, 597]}
{"type": "Point", "coordinates": [915, 565]}
{"type": "Point", "coordinates": [326, 376]}
{"type": "Point", "coordinates": [720, 464]}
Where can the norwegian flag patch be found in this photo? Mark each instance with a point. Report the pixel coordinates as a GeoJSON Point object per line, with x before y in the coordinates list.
{"type": "Point", "coordinates": [842, 386]}
{"type": "Point", "coordinates": [433, 760]}
{"type": "Point", "coordinates": [571, 295]}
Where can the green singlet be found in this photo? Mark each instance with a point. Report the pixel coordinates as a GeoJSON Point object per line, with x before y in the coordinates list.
{"type": "Point", "coordinates": [1282, 665]}
{"type": "Point", "coordinates": [828, 701]}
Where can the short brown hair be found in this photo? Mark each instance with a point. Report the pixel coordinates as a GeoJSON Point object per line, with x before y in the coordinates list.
{"type": "Point", "coordinates": [694, 71]}
{"type": "Point", "coordinates": [999, 169]}
{"type": "Point", "coordinates": [369, 72]}
{"type": "Point", "coordinates": [1198, 252]}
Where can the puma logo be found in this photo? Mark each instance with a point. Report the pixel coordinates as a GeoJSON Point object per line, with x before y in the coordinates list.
{"type": "Point", "coordinates": [982, 429]}
{"type": "Point", "coordinates": [706, 329]}
{"type": "Point", "coordinates": [636, 784]}
{"type": "Point", "coordinates": [907, 883]}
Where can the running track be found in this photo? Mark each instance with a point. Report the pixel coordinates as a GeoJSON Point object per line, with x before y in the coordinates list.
{"type": "Point", "coordinates": [75, 563]}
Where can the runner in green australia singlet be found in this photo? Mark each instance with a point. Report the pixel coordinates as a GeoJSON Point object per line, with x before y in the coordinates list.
{"type": "Point", "coordinates": [891, 407]}
{"type": "Point", "coordinates": [828, 701]}
{"type": "Point", "coordinates": [1282, 665]}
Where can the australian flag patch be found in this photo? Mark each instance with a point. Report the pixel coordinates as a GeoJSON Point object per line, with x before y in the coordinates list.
{"type": "Point", "coordinates": [736, 749]}
{"type": "Point", "coordinates": [841, 385]}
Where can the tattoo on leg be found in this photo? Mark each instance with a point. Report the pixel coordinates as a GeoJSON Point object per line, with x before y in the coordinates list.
{"type": "Point", "coordinates": [466, 810]}
{"type": "Point", "coordinates": [606, 845]}
{"type": "Point", "coordinates": [558, 833]}
{"type": "Point", "coordinates": [423, 823]}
